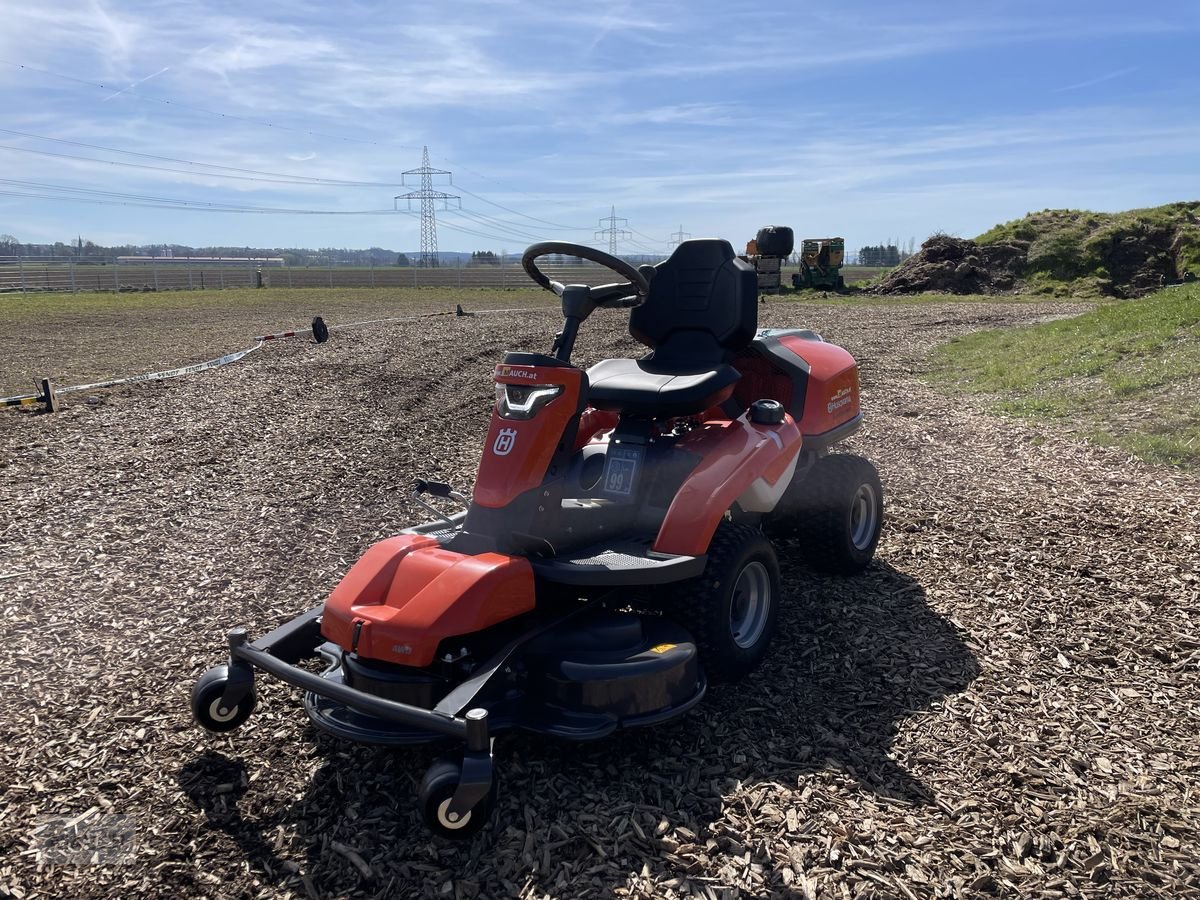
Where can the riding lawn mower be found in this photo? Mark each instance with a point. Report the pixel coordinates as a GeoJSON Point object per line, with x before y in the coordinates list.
{"type": "Point", "coordinates": [615, 556]}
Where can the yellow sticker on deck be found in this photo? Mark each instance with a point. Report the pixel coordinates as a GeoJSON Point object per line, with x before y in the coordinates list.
{"type": "Point", "coordinates": [662, 648]}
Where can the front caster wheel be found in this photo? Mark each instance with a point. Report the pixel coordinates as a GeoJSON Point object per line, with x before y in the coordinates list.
{"type": "Point", "coordinates": [208, 708]}
{"type": "Point", "coordinates": [434, 795]}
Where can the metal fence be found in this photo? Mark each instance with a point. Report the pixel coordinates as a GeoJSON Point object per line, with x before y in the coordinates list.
{"type": "Point", "coordinates": [39, 275]}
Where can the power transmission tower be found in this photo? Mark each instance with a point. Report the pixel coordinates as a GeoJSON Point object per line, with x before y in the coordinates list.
{"type": "Point", "coordinates": [613, 230]}
{"type": "Point", "coordinates": [678, 238]}
{"type": "Point", "coordinates": [428, 197]}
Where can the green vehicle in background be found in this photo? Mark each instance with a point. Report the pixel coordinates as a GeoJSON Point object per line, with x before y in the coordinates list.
{"type": "Point", "coordinates": [820, 264]}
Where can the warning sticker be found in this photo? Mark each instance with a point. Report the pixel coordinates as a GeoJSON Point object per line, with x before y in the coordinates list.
{"type": "Point", "coordinates": [663, 648]}
{"type": "Point", "coordinates": [620, 469]}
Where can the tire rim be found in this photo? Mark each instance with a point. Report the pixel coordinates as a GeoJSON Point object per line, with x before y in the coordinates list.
{"type": "Point", "coordinates": [214, 712]}
{"type": "Point", "coordinates": [750, 605]}
{"type": "Point", "coordinates": [443, 816]}
{"type": "Point", "coordinates": [864, 517]}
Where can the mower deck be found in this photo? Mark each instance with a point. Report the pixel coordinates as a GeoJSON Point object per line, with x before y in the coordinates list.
{"type": "Point", "coordinates": [588, 673]}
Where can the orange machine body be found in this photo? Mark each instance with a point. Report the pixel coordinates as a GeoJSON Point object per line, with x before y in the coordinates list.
{"type": "Point", "coordinates": [407, 594]}
{"type": "Point", "coordinates": [517, 452]}
{"type": "Point", "coordinates": [817, 382]}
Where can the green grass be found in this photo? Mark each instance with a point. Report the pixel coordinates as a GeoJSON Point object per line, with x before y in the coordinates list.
{"type": "Point", "coordinates": [858, 298]}
{"type": "Point", "coordinates": [17, 307]}
{"type": "Point", "coordinates": [1126, 373]}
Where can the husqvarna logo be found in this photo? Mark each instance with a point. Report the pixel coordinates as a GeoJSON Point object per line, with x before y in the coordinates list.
{"type": "Point", "coordinates": [505, 441]}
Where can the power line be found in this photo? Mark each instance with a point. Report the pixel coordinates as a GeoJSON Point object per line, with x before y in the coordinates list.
{"type": "Point", "coordinates": [116, 197]}
{"type": "Point", "coordinates": [300, 179]}
{"type": "Point", "coordinates": [519, 213]}
{"type": "Point", "coordinates": [202, 208]}
{"type": "Point", "coordinates": [194, 174]}
{"type": "Point", "coordinates": [495, 224]}
{"type": "Point", "coordinates": [177, 105]}
{"type": "Point", "coordinates": [242, 174]}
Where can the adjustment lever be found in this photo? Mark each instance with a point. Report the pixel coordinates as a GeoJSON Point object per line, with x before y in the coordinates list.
{"type": "Point", "coordinates": [437, 489]}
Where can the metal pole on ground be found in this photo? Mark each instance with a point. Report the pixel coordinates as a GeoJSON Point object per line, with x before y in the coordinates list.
{"type": "Point", "coordinates": [71, 269]}
{"type": "Point", "coordinates": [330, 275]}
{"type": "Point", "coordinates": [154, 269]}
{"type": "Point", "coordinates": [22, 263]}
{"type": "Point", "coordinates": [190, 285]}
{"type": "Point", "coordinates": [116, 277]}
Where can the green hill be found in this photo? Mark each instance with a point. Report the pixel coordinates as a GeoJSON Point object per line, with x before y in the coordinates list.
{"type": "Point", "coordinates": [1118, 254]}
{"type": "Point", "coordinates": [1060, 251]}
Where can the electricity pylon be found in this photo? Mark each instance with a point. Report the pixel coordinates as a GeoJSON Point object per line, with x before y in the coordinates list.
{"type": "Point", "coordinates": [613, 230]}
{"type": "Point", "coordinates": [428, 197]}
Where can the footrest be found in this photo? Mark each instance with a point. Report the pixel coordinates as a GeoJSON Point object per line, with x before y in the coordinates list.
{"type": "Point", "coordinates": [618, 563]}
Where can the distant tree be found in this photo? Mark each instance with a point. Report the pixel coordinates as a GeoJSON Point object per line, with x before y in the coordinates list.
{"type": "Point", "coordinates": [402, 259]}
{"type": "Point", "coordinates": [483, 258]}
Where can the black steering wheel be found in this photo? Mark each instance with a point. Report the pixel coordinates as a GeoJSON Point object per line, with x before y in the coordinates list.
{"type": "Point", "coordinates": [631, 292]}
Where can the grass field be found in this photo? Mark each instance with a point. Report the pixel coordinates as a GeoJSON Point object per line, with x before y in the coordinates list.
{"type": "Point", "coordinates": [77, 338]}
{"type": "Point", "coordinates": [1126, 374]}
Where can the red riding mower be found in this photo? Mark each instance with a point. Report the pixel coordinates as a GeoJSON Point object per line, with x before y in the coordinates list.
{"type": "Point", "coordinates": [613, 557]}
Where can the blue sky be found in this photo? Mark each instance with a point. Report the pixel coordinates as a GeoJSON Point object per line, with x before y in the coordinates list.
{"type": "Point", "coordinates": [868, 120]}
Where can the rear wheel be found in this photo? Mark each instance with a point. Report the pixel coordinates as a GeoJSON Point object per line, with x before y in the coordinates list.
{"type": "Point", "coordinates": [836, 513]}
{"type": "Point", "coordinates": [731, 608]}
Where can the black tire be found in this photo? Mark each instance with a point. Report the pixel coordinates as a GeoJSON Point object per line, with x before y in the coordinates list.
{"type": "Point", "coordinates": [775, 240]}
{"type": "Point", "coordinates": [742, 572]}
{"type": "Point", "coordinates": [206, 702]}
{"type": "Point", "coordinates": [434, 793]}
{"type": "Point", "coordinates": [320, 330]}
{"type": "Point", "coordinates": [841, 284]}
{"type": "Point", "coordinates": [836, 513]}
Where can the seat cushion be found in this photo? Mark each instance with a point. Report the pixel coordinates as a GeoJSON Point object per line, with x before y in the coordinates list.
{"type": "Point", "coordinates": [629, 385]}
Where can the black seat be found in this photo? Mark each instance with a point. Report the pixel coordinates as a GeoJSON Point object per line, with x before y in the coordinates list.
{"type": "Point", "coordinates": [702, 308]}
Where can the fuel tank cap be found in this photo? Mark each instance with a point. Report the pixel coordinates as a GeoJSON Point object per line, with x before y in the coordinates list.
{"type": "Point", "coordinates": [766, 412]}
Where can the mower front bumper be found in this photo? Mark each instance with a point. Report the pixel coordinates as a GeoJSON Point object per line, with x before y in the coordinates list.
{"type": "Point", "coordinates": [298, 639]}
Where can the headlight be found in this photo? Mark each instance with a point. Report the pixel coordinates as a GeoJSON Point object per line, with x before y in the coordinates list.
{"type": "Point", "coordinates": [522, 401]}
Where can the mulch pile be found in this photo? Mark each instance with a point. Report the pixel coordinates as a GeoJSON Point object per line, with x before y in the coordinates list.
{"type": "Point", "coordinates": [949, 265]}
{"type": "Point", "coordinates": [1007, 703]}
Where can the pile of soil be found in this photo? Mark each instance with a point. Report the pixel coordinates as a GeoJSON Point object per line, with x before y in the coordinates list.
{"type": "Point", "coordinates": [1060, 251]}
{"type": "Point", "coordinates": [949, 265]}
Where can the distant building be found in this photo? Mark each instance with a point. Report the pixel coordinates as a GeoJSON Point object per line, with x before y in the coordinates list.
{"type": "Point", "coordinates": [202, 260]}
{"type": "Point", "coordinates": [879, 255]}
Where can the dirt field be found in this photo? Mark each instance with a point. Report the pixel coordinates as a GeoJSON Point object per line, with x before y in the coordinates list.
{"type": "Point", "coordinates": [1006, 704]}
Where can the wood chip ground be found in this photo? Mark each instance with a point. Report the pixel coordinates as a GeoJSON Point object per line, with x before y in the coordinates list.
{"type": "Point", "coordinates": [1005, 704]}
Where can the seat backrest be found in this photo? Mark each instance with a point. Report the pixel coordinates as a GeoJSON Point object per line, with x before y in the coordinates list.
{"type": "Point", "coordinates": [702, 307]}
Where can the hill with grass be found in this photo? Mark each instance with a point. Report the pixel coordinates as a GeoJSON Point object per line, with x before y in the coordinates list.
{"type": "Point", "coordinates": [1061, 252]}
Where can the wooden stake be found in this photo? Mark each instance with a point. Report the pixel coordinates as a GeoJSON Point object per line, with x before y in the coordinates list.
{"type": "Point", "coordinates": [49, 398]}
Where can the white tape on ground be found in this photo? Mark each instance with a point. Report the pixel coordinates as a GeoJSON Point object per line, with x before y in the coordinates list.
{"type": "Point", "coordinates": [161, 376]}
{"type": "Point", "coordinates": [28, 399]}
